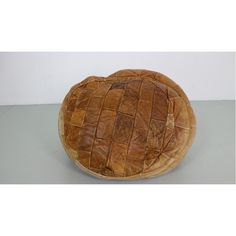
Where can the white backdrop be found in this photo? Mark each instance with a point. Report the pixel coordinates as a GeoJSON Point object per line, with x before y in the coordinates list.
{"type": "Point", "coordinates": [45, 77]}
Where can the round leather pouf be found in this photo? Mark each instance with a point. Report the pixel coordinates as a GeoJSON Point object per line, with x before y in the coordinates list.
{"type": "Point", "coordinates": [131, 124]}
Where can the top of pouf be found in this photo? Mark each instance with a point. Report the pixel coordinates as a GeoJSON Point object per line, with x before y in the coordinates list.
{"type": "Point", "coordinates": [132, 124]}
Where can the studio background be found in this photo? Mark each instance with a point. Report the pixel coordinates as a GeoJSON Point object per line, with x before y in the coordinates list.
{"type": "Point", "coordinates": [45, 77]}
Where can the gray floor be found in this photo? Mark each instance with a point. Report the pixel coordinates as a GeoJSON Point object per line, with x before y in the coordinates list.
{"type": "Point", "coordinates": [30, 150]}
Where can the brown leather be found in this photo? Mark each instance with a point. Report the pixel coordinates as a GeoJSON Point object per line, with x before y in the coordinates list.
{"type": "Point", "coordinates": [132, 124]}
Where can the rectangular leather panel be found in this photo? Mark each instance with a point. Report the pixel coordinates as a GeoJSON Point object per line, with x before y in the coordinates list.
{"type": "Point", "coordinates": [123, 128]}
{"type": "Point", "coordinates": [106, 124]}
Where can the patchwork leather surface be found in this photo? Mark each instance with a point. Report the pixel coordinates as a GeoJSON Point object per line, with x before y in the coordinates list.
{"type": "Point", "coordinates": [132, 124]}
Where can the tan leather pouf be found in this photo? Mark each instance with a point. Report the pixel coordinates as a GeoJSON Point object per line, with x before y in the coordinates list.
{"type": "Point", "coordinates": [131, 124]}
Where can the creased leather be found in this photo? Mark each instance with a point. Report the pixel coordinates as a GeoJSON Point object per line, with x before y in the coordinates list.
{"type": "Point", "coordinates": [132, 124]}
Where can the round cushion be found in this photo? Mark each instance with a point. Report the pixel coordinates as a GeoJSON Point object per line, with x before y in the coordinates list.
{"type": "Point", "coordinates": [131, 124]}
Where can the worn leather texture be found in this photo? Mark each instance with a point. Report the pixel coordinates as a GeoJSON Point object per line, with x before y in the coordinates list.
{"type": "Point", "coordinates": [131, 124]}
